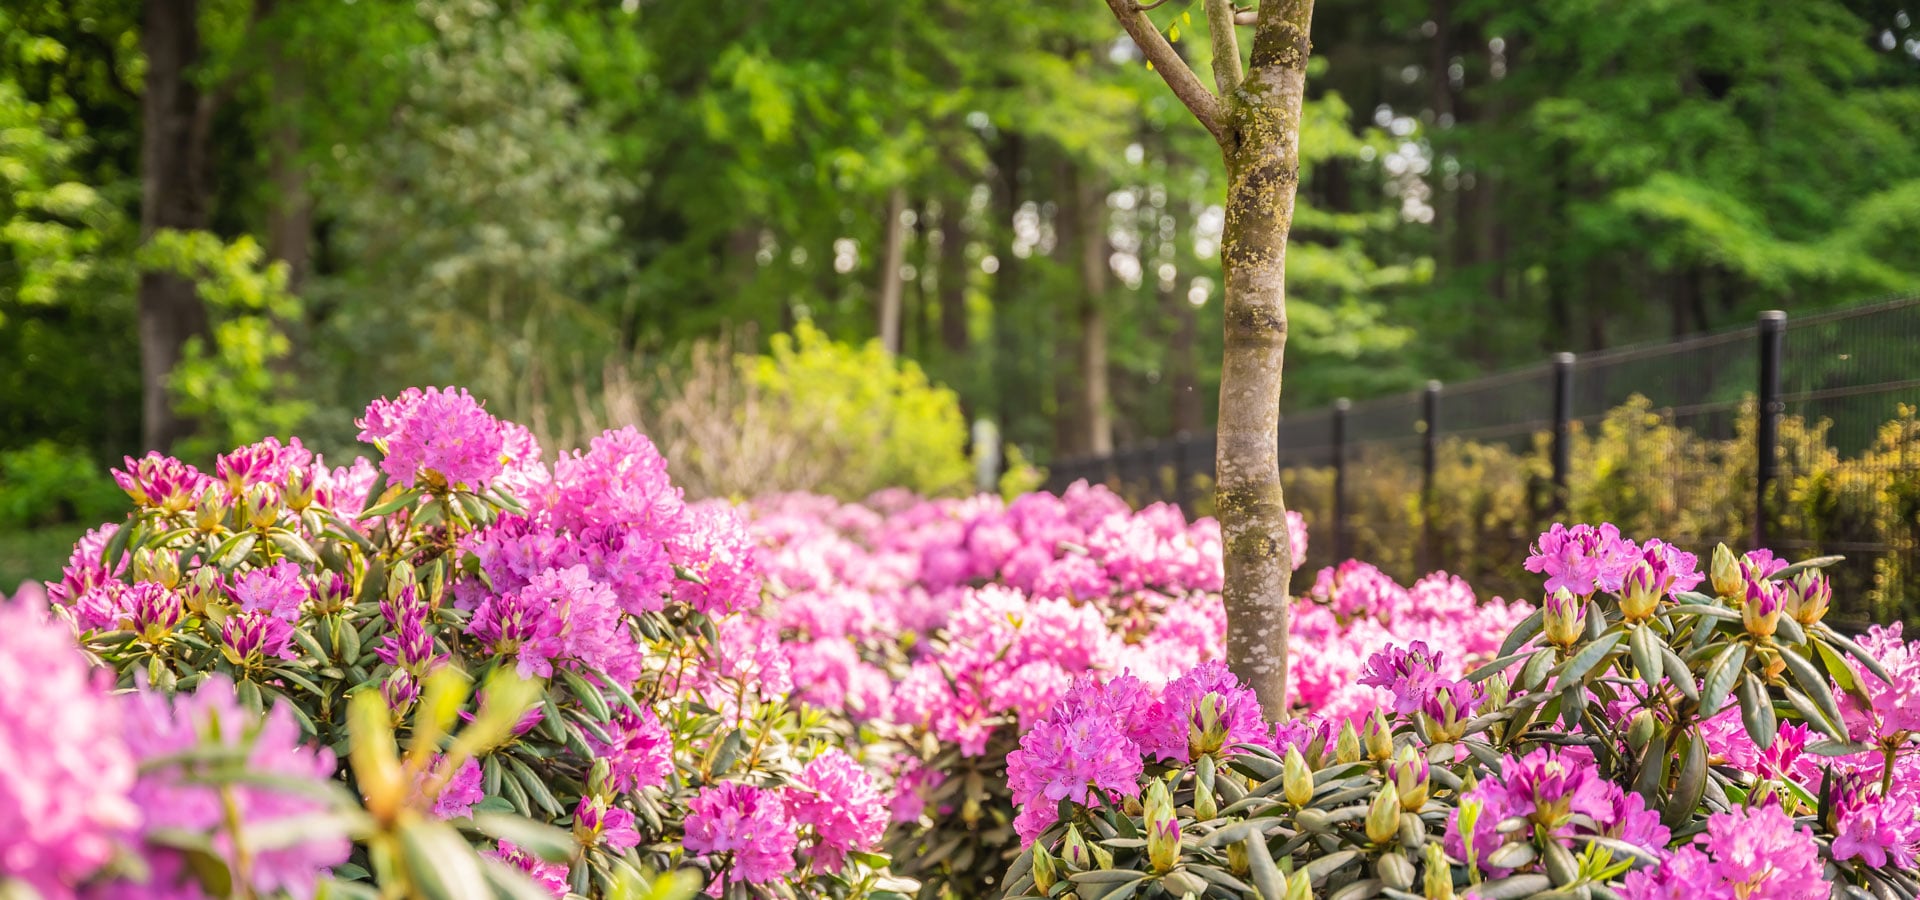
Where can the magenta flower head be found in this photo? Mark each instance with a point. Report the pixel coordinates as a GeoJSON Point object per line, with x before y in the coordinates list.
{"type": "Point", "coordinates": [264, 463]}
{"type": "Point", "coordinates": [409, 645]}
{"type": "Point", "coordinates": [1763, 606]}
{"type": "Point", "coordinates": [552, 877]}
{"type": "Point", "coordinates": [1583, 559]}
{"type": "Point", "coordinates": [331, 593]}
{"type": "Point", "coordinates": [1808, 595]}
{"type": "Point", "coordinates": [1564, 618]}
{"type": "Point", "coordinates": [401, 690]}
{"type": "Point", "coordinates": [64, 770]}
{"type": "Point", "coordinates": [1640, 597]}
{"type": "Point", "coordinates": [1447, 708]}
{"type": "Point", "coordinates": [595, 823]}
{"type": "Point", "coordinates": [153, 611]}
{"type": "Point", "coordinates": [439, 437]}
{"type": "Point", "coordinates": [837, 799]}
{"type": "Point", "coordinates": [1409, 672]}
{"type": "Point", "coordinates": [249, 638]}
{"type": "Point", "coordinates": [161, 482]}
{"type": "Point", "coordinates": [1548, 787]}
{"type": "Point", "coordinates": [278, 590]}
{"type": "Point", "coordinates": [639, 754]}
{"type": "Point", "coordinates": [746, 821]}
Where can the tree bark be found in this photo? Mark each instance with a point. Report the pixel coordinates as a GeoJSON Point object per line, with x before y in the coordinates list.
{"type": "Point", "coordinates": [1096, 400]}
{"type": "Point", "coordinates": [175, 121]}
{"type": "Point", "coordinates": [953, 281]}
{"type": "Point", "coordinates": [892, 259]}
{"type": "Point", "coordinates": [1262, 155]}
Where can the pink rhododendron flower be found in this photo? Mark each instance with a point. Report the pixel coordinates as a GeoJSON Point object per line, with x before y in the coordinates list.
{"type": "Point", "coordinates": [1750, 854]}
{"type": "Point", "coordinates": [550, 876]}
{"type": "Point", "coordinates": [640, 754]}
{"type": "Point", "coordinates": [749, 824]}
{"type": "Point", "coordinates": [439, 432]}
{"type": "Point", "coordinates": [836, 798]}
{"type": "Point", "coordinates": [65, 774]}
{"type": "Point", "coordinates": [1583, 559]}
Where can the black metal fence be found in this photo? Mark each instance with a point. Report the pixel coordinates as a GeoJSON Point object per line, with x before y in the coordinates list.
{"type": "Point", "coordinates": [1795, 434]}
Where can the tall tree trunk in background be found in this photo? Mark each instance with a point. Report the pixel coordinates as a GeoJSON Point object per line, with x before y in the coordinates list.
{"type": "Point", "coordinates": [1184, 356]}
{"type": "Point", "coordinates": [175, 120]}
{"type": "Point", "coordinates": [1008, 159]}
{"type": "Point", "coordinates": [1069, 232]}
{"type": "Point", "coordinates": [1096, 401]}
{"type": "Point", "coordinates": [953, 281]}
{"type": "Point", "coordinates": [1257, 124]}
{"type": "Point", "coordinates": [891, 261]}
{"type": "Point", "coordinates": [290, 218]}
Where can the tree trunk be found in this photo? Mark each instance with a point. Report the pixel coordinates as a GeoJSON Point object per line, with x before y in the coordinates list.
{"type": "Point", "coordinates": [953, 281]}
{"type": "Point", "coordinates": [290, 220]}
{"type": "Point", "coordinates": [175, 120]}
{"type": "Point", "coordinates": [894, 257]}
{"type": "Point", "coordinates": [1096, 401]}
{"type": "Point", "coordinates": [1262, 152]}
{"type": "Point", "coordinates": [1184, 360]}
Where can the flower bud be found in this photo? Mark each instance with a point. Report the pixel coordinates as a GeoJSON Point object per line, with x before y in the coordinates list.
{"type": "Point", "coordinates": [1300, 886]}
{"type": "Point", "coordinates": [1640, 597]}
{"type": "Point", "coordinates": [1728, 580]}
{"type": "Point", "coordinates": [1296, 780]}
{"type": "Point", "coordinates": [1206, 806]}
{"type": "Point", "coordinates": [1163, 830]}
{"type": "Point", "coordinates": [1383, 817]}
{"type": "Point", "coordinates": [1074, 851]}
{"type": "Point", "coordinates": [299, 490]}
{"type": "Point", "coordinates": [155, 611]}
{"type": "Point", "coordinates": [1641, 731]}
{"type": "Point", "coordinates": [203, 589]}
{"type": "Point", "coordinates": [1447, 709]}
{"type": "Point", "coordinates": [599, 778]}
{"type": "Point", "coordinates": [332, 593]}
{"type": "Point", "coordinates": [1409, 772]}
{"type": "Point", "coordinates": [261, 507]}
{"type": "Point", "coordinates": [1206, 734]}
{"type": "Point", "coordinates": [1237, 860]}
{"type": "Point", "coordinates": [1496, 691]}
{"type": "Point", "coordinates": [1439, 875]}
{"type": "Point", "coordinates": [1808, 596]}
{"type": "Point", "coordinates": [1046, 872]}
{"type": "Point", "coordinates": [209, 511]}
{"type": "Point", "coordinates": [1346, 749]}
{"type": "Point", "coordinates": [1565, 619]}
{"type": "Point", "coordinates": [400, 690]}
{"type": "Point", "coordinates": [1761, 612]}
{"type": "Point", "coordinates": [1378, 737]}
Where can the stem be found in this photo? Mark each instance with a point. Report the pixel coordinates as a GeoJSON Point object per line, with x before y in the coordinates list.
{"type": "Point", "coordinates": [242, 860]}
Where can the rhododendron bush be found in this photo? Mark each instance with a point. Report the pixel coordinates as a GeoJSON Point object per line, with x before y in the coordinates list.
{"type": "Point", "coordinates": [455, 672]}
{"type": "Point", "coordinates": [1652, 731]}
{"type": "Point", "coordinates": [463, 669]}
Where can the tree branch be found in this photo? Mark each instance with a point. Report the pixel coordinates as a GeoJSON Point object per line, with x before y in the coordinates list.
{"type": "Point", "coordinates": [1226, 47]}
{"type": "Point", "coordinates": [1173, 70]}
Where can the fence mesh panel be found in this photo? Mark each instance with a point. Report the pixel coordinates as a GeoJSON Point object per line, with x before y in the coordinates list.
{"type": "Point", "coordinates": [1661, 439]}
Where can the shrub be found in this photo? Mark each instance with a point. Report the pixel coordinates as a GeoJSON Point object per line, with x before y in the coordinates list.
{"type": "Point", "coordinates": [812, 414]}
{"type": "Point", "coordinates": [308, 621]}
{"type": "Point", "coordinates": [46, 484]}
{"type": "Point", "coordinates": [1635, 738]}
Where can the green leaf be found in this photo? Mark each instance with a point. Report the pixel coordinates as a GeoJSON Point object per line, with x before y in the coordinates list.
{"type": "Point", "coordinates": [1690, 784]}
{"type": "Point", "coordinates": [536, 789]}
{"type": "Point", "coordinates": [235, 549]}
{"type": "Point", "coordinates": [291, 831]}
{"type": "Point", "coordinates": [1810, 711]}
{"type": "Point", "coordinates": [1857, 652]}
{"type": "Point", "coordinates": [441, 865]}
{"type": "Point", "coordinates": [404, 498]}
{"type": "Point", "coordinates": [545, 841]}
{"type": "Point", "coordinates": [1645, 647]}
{"type": "Point", "coordinates": [1266, 875]}
{"type": "Point", "coordinates": [1588, 657]}
{"type": "Point", "coordinates": [1523, 632]}
{"type": "Point", "coordinates": [1678, 674]}
{"type": "Point", "coordinates": [1722, 674]}
{"type": "Point", "coordinates": [589, 696]}
{"type": "Point", "coordinates": [293, 545]}
{"type": "Point", "coordinates": [1756, 710]}
{"type": "Point", "coordinates": [1810, 680]}
{"type": "Point", "coordinates": [1818, 562]}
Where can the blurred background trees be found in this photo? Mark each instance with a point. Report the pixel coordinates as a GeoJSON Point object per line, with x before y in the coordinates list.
{"type": "Point", "coordinates": [297, 205]}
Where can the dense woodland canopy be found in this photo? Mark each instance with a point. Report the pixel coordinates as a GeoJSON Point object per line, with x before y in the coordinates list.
{"type": "Point", "coordinates": [305, 204]}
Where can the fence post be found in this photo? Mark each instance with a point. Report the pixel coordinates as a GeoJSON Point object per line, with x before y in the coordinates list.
{"type": "Point", "coordinates": [1429, 453]}
{"type": "Point", "coordinates": [1562, 428]}
{"type": "Point", "coordinates": [1183, 472]}
{"type": "Point", "coordinates": [1768, 406]}
{"type": "Point", "coordinates": [1340, 408]}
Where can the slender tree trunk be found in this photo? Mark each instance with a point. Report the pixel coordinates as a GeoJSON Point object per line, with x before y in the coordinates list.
{"type": "Point", "coordinates": [1096, 400]}
{"type": "Point", "coordinates": [1263, 172]}
{"type": "Point", "coordinates": [1008, 159]}
{"type": "Point", "coordinates": [1069, 230]}
{"type": "Point", "coordinates": [891, 261]}
{"type": "Point", "coordinates": [175, 120]}
{"type": "Point", "coordinates": [290, 220]}
{"type": "Point", "coordinates": [1184, 360]}
{"type": "Point", "coordinates": [953, 281]}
